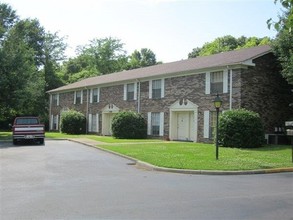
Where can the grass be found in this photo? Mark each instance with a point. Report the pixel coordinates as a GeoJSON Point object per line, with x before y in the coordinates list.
{"type": "Point", "coordinates": [202, 156]}
{"type": "Point", "coordinates": [184, 155]}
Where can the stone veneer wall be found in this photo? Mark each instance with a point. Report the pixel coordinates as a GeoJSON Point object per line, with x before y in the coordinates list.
{"type": "Point", "coordinates": [266, 92]}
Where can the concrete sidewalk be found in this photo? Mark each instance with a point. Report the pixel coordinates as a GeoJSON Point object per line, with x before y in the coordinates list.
{"type": "Point", "coordinates": [150, 167]}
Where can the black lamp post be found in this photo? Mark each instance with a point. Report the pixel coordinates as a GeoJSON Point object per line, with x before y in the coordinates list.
{"type": "Point", "coordinates": [217, 104]}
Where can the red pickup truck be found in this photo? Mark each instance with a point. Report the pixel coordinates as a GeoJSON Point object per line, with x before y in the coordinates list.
{"type": "Point", "coordinates": [28, 128]}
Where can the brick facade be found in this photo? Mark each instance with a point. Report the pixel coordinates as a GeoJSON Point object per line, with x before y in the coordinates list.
{"type": "Point", "coordinates": [260, 88]}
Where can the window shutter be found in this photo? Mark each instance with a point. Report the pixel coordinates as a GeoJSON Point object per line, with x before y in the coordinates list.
{"type": "Point", "coordinates": [51, 122]}
{"type": "Point", "coordinates": [74, 98]}
{"type": "Point", "coordinates": [91, 95]}
{"type": "Point", "coordinates": [161, 123]}
{"type": "Point", "coordinates": [81, 96]}
{"type": "Point", "coordinates": [97, 116]}
{"type": "Point", "coordinates": [163, 88]}
{"type": "Point", "coordinates": [135, 91]}
{"type": "Point", "coordinates": [208, 82]}
{"type": "Point", "coordinates": [90, 123]}
{"type": "Point", "coordinates": [125, 92]}
{"type": "Point", "coordinates": [206, 124]}
{"type": "Point", "coordinates": [57, 99]}
{"type": "Point", "coordinates": [225, 81]}
{"type": "Point", "coordinates": [149, 123]}
{"type": "Point", "coordinates": [57, 122]}
{"type": "Point", "coordinates": [98, 95]}
{"type": "Point", "coordinates": [150, 89]}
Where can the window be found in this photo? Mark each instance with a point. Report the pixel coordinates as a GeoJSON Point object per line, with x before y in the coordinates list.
{"type": "Point", "coordinates": [130, 91]}
{"type": "Point", "coordinates": [156, 89]}
{"type": "Point", "coordinates": [94, 95]}
{"type": "Point", "coordinates": [210, 123]}
{"type": "Point", "coordinates": [55, 99]}
{"type": "Point", "coordinates": [217, 82]}
{"type": "Point", "coordinates": [78, 97]}
{"type": "Point", "coordinates": [54, 122]}
{"type": "Point", "coordinates": [93, 122]}
{"type": "Point", "coordinates": [156, 123]}
{"type": "Point", "coordinates": [155, 129]}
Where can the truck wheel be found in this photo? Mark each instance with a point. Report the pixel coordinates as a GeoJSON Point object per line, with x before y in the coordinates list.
{"type": "Point", "coordinates": [42, 141]}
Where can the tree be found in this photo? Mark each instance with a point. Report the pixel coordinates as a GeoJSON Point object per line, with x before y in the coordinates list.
{"type": "Point", "coordinates": [144, 57]}
{"type": "Point", "coordinates": [227, 43]}
{"type": "Point", "coordinates": [282, 45]}
{"type": "Point", "coordinates": [8, 18]}
{"type": "Point", "coordinates": [106, 54]}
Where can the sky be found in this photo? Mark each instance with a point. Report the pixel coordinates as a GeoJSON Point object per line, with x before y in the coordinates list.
{"type": "Point", "coordinates": [170, 28]}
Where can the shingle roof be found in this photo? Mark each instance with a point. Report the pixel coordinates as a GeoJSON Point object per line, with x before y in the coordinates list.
{"type": "Point", "coordinates": [195, 64]}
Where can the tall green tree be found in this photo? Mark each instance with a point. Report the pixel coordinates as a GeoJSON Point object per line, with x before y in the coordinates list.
{"type": "Point", "coordinates": [227, 43]}
{"type": "Point", "coordinates": [144, 57]}
{"type": "Point", "coordinates": [282, 45]}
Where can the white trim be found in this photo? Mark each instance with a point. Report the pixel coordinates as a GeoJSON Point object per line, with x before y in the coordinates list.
{"type": "Point", "coordinates": [162, 88]}
{"type": "Point", "coordinates": [150, 89]}
{"type": "Point", "coordinates": [51, 122]}
{"type": "Point", "coordinates": [90, 123]}
{"type": "Point", "coordinates": [91, 95]}
{"type": "Point", "coordinates": [135, 91]}
{"type": "Point", "coordinates": [97, 121]}
{"type": "Point", "coordinates": [149, 123]}
{"type": "Point", "coordinates": [161, 124]}
{"type": "Point", "coordinates": [58, 99]}
{"type": "Point", "coordinates": [98, 94]}
{"type": "Point", "coordinates": [57, 122]}
{"type": "Point", "coordinates": [81, 96]}
{"type": "Point", "coordinates": [206, 122]}
{"type": "Point", "coordinates": [225, 81]}
{"type": "Point", "coordinates": [125, 92]}
{"type": "Point", "coordinates": [74, 98]}
{"type": "Point", "coordinates": [208, 83]}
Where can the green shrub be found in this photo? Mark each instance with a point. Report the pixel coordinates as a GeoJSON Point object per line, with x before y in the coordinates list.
{"type": "Point", "coordinates": [240, 128]}
{"type": "Point", "coordinates": [73, 122]}
{"type": "Point", "coordinates": [129, 125]}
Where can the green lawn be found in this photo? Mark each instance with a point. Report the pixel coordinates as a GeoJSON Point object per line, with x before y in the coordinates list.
{"type": "Point", "coordinates": [202, 156]}
{"type": "Point", "coordinates": [184, 155]}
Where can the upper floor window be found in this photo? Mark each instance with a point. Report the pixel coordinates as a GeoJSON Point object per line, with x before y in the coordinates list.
{"type": "Point", "coordinates": [94, 95]}
{"type": "Point", "coordinates": [78, 97]}
{"type": "Point", "coordinates": [130, 91]}
{"type": "Point", "coordinates": [156, 89]}
{"type": "Point", "coordinates": [55, 99]}
{"type": "Point", "coordinates": [217, 82]}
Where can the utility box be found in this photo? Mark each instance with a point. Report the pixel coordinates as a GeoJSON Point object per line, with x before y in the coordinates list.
{"type": "Point", "coordinates": [289, 128]}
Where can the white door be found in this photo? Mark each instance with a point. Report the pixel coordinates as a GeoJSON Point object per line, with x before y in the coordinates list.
{"type": "Point", "coordinates": [107, 123]}
{"type": "Point", "coordinates": [183, 126]}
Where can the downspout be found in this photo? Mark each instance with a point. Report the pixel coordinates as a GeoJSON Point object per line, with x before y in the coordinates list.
{"type": "Point", "coordinates": [87, 110]}
{"type": "Point", "coordinates": [50, 111]}
{"type": "Point", "coordinates": [138, 96]}
{"type": "Point", "coordinates": [231, 87]}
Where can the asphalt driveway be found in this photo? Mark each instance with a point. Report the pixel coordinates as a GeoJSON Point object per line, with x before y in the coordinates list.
{"type": "Point", "coordinates": [67, 180]}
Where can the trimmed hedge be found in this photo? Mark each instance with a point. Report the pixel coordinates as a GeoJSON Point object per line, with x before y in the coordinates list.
{"type": "Point", "coordinates": [129, 125]}
{"type": "Point", "coordinates": [73, 122]}
{"type": "Point", "coordinates": [240, 128]}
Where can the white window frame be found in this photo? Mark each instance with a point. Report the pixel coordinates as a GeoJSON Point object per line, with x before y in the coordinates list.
{"type": "Point", "coordinates": [92, 95]}
{"type": "Point", "coordinates": [125, 98]}
{"type": "Point", "coordinates": [75, 96]}
{"type": "Point", "coordinates": [90, 122]}
{"type": "Point", "coordinates": [161, 123]}
{"type": "Point", "coordinates": [55, 99]}
{"type": "Point", "coordinates": [151, 88]}
{"type": "Point", "coordinates": [208, 82]}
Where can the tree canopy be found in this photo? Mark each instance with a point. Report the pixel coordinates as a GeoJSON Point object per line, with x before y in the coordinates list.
{"type": "Point", "coordinates": [283, 44]}
{"type": "Point", "coordinates": [227, 43]}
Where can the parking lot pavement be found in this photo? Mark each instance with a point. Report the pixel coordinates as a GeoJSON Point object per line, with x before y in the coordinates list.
{"type": "Point", "coordinates": [66, 180]}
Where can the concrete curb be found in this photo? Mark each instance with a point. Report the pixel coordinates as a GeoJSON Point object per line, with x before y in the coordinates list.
{"type": "Point", "coordinates": [146, 166]}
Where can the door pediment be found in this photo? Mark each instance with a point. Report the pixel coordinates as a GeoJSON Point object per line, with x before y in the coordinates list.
{"type": "Point", "coordinates": [109, 108]}
{"type": "Point", "coordinates": [183, 104]}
